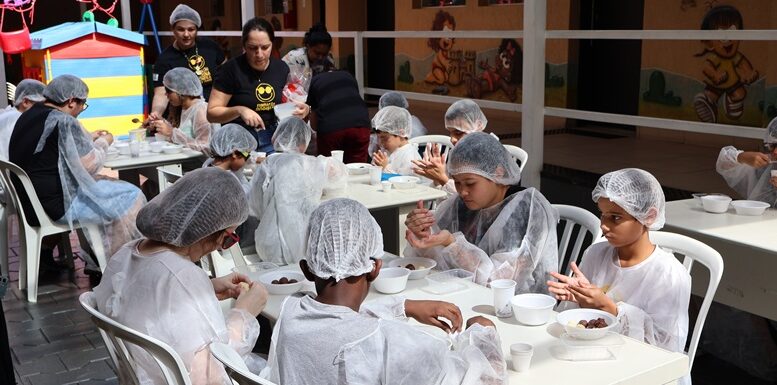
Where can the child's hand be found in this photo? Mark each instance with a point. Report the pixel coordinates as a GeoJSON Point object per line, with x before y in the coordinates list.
{"type": "Point", "coordinates": [433, 165]}
{"type": "Point", "coordinates": [429, 312]}
{"type": "Point", "coordinates": [420, 221]}
{"type": "Point", "coordinates": [163, 127]}
{"type": "Point", "coordinates": [229, 286]}
{"type": "Point", "coordinates": [753, 159]}
{"type": "Point", "coordinates": [593, 297]}
{"type": "Point", "coordinates": [380, 159]}
{"type": "Point", "coordinates": [443, 238]}
{"type": "Point", "coordinates": [561, 290]}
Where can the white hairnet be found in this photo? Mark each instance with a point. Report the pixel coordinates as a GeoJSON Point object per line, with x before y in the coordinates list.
{"type": "Point", "coordinates": [770, 137]}
{"type": "Point", "coordinates": [342, 237]}
{"type": "Point", "coordinates": [65, 87]}
{"type": "Point", "coordinates": [394, 120]}
{"type": "Point", "coordinates": [185, 12]}
{"type": "Point", "coordinates": [292, 135]}
{"type": "Point", "coordinates": [183, 81]}
{"type": "Point", "coordinates": [230, 138]}
{"type": "Point", "coordinates": [30, 89]}
{"type": "Point", "coordinates": [393, 98]}
{"type": "Point", "coordinates": [636, 191]}
{"type": "Point", "coordinates": [201, 203]}
{"type": "Point", "coordinates": [482, 154]}
{"type": "Point", "coordinates": [465, 116]}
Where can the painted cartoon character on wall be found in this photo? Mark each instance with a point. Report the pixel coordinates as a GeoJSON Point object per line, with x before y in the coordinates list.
{"type": "Point", "coordinates": [726, 70]}
{"type": "Point", "coordinates": [443, 21]}
{"type": "Point", "coordinates": [505, 74]}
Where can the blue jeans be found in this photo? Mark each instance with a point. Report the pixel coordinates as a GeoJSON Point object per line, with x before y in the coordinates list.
{"type": "Point", "coordinates": [264, 137]}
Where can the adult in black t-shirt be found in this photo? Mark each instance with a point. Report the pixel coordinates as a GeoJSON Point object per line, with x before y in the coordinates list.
{"type": "Point", "coordinates": [340, 117]}
{"type": "Point", "coordinates": [247, 87]}
{"type": "Point", "coordinates": [201, 56]}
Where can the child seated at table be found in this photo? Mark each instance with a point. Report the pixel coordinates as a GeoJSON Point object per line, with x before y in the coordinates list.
{"type": "Point", "coordinates": [183, 89]}
{"type": "Point", "coordinates": [336, 338]}
{"type": "Point", "coordinates": [393, 127]}
{"type": "Point", "coordinates": [394, 98]}
{"type": "Point", "coordinates": [646, 287]}
{"type": "Point", "coordinates": [750, 173]}
{"type": "Point", "coordinates": [286, 188]}
{"type": "Point", "coordinates": [491, 227]}
{"type": "Point", "coordinates": [230, 148]}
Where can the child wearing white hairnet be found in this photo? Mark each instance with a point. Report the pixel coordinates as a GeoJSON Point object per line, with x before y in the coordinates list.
{"type": "Point", "coordinates": [286, 188]}
{"type": "Point", "coordinates": [491, 227]}
{"type": "Point", "coordinates": [394, 98]}
{"type": "Point", "coordinates": [646, 287]}
{"type": "Point", "coordinates": [28, 92]}
{"type": "Point", "coordinates": [153, 285]}
{"type": "Point", "coordinates": [183, 88]}
{"type": "Point", "coordinates": [752, 174]}
{"type": "Point", "coordinates": [335, 338]}
{"type": "Point", "coordinates": [393, 127]}
{"type": "Point", "coordinates": [230, 148]}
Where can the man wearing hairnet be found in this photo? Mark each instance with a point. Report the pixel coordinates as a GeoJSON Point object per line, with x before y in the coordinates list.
{"type": "Point", "coordinates": [491, 227]}
{"type": "Point", "coordinates": [28, 92]}
{"type": "Point", "coordinates": [646, 287]}
{"type": "Point", "coordinates": [335, 338]}
{"type": "Point", "coordinates": [286, 188]}
{"type": "Point", "coordinates": [752, 174]}
{"type": "Point", "coordinates": [393, 127]}
{"type": "Point", "coordinates": [63, 162]}
{"type": "Point", "coordinates": [462, 117]}
{"type": "Point", "coordinates": [199, 55]}
{"type": "Point", "coordinates": [153, 285]}
{"type": "Point", "coordinates": [183, 89]}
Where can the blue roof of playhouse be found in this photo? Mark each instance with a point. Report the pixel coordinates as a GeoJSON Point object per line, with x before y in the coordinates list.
{"type": "Point", "coordinates": [66, 32]}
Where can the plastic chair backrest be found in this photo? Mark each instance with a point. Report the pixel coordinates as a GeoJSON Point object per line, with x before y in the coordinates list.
{"type": "Point", "coordinates": [8, 168]}
{"type": "Point", "coordinates": [439, 139]}
{"type": "Point", "coordinates": [117, 337]}
{"type": "Point", "coordinates": [587, 222]}
{"type": "Point", "coordinates": [168, 175]}
{"type": "Point", "coordinates": [518, 154]}
{"type": "Point", "coordinates": [235, 366]}
{"type": "Point", "coordinates": [694, 251]}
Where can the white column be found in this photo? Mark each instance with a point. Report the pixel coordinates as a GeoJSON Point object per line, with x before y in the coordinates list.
{"type": "Point", "coordinates": [247, 10]}
{"type": "Point", "coordinates": [126, 16]}
{"type": "Point", "coordinates": [533, 115]}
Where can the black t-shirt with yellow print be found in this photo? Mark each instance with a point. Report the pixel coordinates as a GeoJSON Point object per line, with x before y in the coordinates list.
{"type": "Point", "coordinates": [257, 90]}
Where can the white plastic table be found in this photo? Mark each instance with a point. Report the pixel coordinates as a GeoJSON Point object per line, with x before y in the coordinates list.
{"type": "Point", "coordinates": [389, 208]}
{"type": "Point", "coordinates": [637, 362]}
{"type": "Point", "coordinates": [129, 167]}
{"type": "Point", "coordinates": [748, 245]}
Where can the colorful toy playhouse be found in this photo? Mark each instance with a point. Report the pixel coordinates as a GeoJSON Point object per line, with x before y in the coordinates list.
{"type": "Point", "coordinates": [108, 59]}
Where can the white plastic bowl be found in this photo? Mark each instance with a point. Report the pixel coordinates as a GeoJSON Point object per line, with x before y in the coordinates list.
{"type": "Point", "coordinates": [284, 110]}
{"type": "Point", "coordinates": [358, 168]}
{"type": "Point", "coordinates": [404, 182]}
{"type": "Point", "coordinates": [111, 153]}
{"type": "Point", "coordinates": [391, 280]}
{"type": "Point", "coordinates": [422, 266]}
{"type": "Point", "coordinates": [284, 289]}
{"type": "Point", "coordinates": [161, 138]}
{"type": "Point", "coordinates": [172, 148]}
{"type": "Point", "coordinates": [715, 203]}
{"type": "Point", "coordinates": [532, 309]}
{"type": "Point", "coordinates": [156, 146]}
{"type": "Point", "coordinates": [255, 270]}
{"type": "Point", "coordinates": [123, 148]}
{"type": "Point", "coordinates": [576, 315]}
{"type": "Point", "coordinates": [744, 207]}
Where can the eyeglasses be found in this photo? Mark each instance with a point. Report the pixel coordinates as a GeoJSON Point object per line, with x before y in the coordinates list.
{"type": "Point", "coordinates": [245, 154]}
{"type": "Point", "coordinates": [86, 105]}
{"type": "Point", "coordinates": [229, 241]}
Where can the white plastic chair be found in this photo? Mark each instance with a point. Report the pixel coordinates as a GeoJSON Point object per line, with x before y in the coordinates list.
{"type": "Point", "coordinates": [439, 139]}
{"type": "Point", "coordinates": [118, 337]}
{"type": "Point", "coordinates": [588, 223]}
{"type": "Point", "coordinates": [30, 236]}
{"type": "Point", "coordinates": [235, 366]}
{"type": "Point", "coordinates": [694, 251]}
{"type": "Point", "coordinates": [168, 175]}
{"type": "Point", "coordinates": [518, 154]}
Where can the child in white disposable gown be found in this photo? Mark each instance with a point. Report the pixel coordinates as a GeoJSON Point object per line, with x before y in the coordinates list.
{"type": "Point", "coordinates": [491, 228]}
{"type": "Point", "coordinates": [231, 147]}
{"type": "Point", "coordinates": [184, 89]}
{"type": "Point", "coordinates": [646, 287]}
{"type": "Point", "coordinates": [393, 126]}
{"type": "Point", "coordinates": [153, 285]}
{"type": "Point", "coordinates": [394, 98]}
{"type": "Point", "coordinates": [751, 173]}
{"type": "Point", "coordinates": [335, 338]}
{"type": "Point", "coordinates": [286, 188]}
{"type": "Point", "coordinates": [462, 117]}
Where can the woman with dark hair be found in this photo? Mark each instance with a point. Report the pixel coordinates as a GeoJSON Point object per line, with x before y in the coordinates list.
{"type": "Point", "coordinates": [247, 87]}
{"type": "Point", "coordinates": [314, 58]}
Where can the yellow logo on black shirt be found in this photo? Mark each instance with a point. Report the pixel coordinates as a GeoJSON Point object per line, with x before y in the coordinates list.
{"type": "Point", "coordinates": [265, 92]}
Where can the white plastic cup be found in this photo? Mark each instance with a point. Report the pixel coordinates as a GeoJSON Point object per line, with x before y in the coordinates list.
{"type": "Point", "coordinates": [504, 290]}
{"type": "Point", "coordinates": [134, 149]}
{"type": "Point", "coordinates": [386, 185]}
{"type": "Point", "coordinates": [337, 154]}
{"type": "Point", "coordinates": [375, 174]}
{"type": "Point", "coordinates": [774, 173]}
{"type": "Point", "coordinates": [521, 354]}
